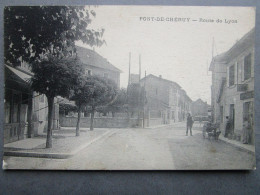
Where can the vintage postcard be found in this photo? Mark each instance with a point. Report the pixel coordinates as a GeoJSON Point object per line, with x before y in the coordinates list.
{"type": "Point", "coordinates": [129, 88]}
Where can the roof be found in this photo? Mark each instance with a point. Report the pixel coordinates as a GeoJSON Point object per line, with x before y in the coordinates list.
{"type": "Point", "coordinates": [168, 82]}
{"type": "Point", "coordinates": [92, 58]}
{"type": "Point", "coordinates": [200, 101]}
{"type": "Point", "coordinates": [17, 80]}
{"type": "Point", "coordinates": [248, 40]}
{"type": "Point", "coordinates": [21, 75]}
{"type": "Point", "coordinates": [161, 79]}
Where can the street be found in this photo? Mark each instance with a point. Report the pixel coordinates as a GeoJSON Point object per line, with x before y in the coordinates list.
{"type": "Point", "coordinates": [159, 148]}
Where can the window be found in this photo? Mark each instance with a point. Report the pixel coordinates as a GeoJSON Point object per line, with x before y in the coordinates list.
{"type": "Point", "coordinates": [231, 75]}
{"type": "Point", "coordinates": [221, 114]}
{"type": "Point", "coordinates": [106, 75]}
{"type": "Point", "coordinates": [88, 72]}
{"type": "Point", "coordinates": [16, 108]}
{"type": "Point", "coordinates": [247, 66]}
{"type": "Point", "coordinates": [7, 111]}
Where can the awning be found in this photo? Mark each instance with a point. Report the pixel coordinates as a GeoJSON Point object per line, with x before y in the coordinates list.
{"type": "Point", "coordinates": [16, 79]}
{"type": "Point", "coordinates": [25, 77]}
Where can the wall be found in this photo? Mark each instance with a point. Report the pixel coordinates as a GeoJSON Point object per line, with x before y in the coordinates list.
{"type": "Point", "coordinates": [99, 122]}
{"type": "Point", "coordinates": [231, 95]}
{"type": "Point", "coordinates": [155, 122]}
{"type": "Point", "coordinates": [199, 108]}
{"type": "Point", "coordinates": [112, 75]}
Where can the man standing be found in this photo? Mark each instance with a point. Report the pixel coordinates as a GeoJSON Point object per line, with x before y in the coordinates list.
{"type": "Point", "coordinates": [227, 127]}
{"type": "Point", "coordinates": [189, 124]}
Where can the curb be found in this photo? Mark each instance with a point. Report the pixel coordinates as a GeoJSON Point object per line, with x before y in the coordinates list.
{"type": "Point", "coordinates": [57, 155]}
{"type": "Point", "coordinates": [237, 146]}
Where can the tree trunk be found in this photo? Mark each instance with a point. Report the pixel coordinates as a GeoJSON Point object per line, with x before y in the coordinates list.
{"type": "Point", "coordinates": [92, 119]}
{"type": "Point", "coordinates": [29, 115]}
{"type": "Point", "coordinates": [78, 122]}
{"type": "Point", "coordinates": [50, 114]}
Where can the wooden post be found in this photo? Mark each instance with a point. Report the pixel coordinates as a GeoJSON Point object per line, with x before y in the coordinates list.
{"type": "Point", "coordinates": [29, 115]}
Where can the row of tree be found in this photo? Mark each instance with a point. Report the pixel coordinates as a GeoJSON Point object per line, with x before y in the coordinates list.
{"type": "Point", "coordinates": [44, 37]}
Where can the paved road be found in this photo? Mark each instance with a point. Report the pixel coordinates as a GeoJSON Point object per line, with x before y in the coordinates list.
{"type": "Point", "coordinates": [158, 148]}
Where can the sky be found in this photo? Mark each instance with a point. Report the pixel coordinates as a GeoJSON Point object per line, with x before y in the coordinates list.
{"type": "Point", "coordinates": [179, 48]}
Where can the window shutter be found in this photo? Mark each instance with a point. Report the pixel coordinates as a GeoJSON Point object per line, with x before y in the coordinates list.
{"type": "Point", "coordinates": [242, 70]}
{"type": "Point", "coordinates": [228, 76]}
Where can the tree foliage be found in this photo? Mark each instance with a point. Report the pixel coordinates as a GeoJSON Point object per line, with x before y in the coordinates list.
{"type": "Point", "coordinates": [56, 76]}
{"type": "Point", "coordinates": [119, 105]}
{"type": "Point", "coordinates": [32, 31]}
{"type": "Point", "coordinates": [103, 91]}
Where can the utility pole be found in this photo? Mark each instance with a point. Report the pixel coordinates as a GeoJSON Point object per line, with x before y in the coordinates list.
{"type": "Point", "coordinates": [139, 67]}
{"type": "Point", "coordinates": [212, 47]}
{"type": "Point", "coordinates": [144, 96]}
{"type": "Point", "coordinates": [129, 81]}
{"type": "Point", "coordinates": [129, 78]}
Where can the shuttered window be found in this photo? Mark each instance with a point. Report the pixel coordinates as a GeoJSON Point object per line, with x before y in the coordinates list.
{"type": "Point", "coordinates": [231, 75]}
{"type": "Point", "coordinates": [247, 66]}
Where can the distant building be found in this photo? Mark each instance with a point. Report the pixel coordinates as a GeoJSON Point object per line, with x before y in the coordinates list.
{"type": "Point", "coordinates": [134, 78]}
{"type": "Point", "coordinates": [166, 99]}
{"type": "Point", "coordinates": [233, 85]}
{"type": "Point", "coordinates": [199, 108]}
{"type": "Point", "coordinates": [95, 64]}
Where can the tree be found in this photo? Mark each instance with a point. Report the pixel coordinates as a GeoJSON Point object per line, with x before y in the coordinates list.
{"type": "Point", "coordinates": [119, 104]}
{"type": "Point", "coordinates": [44, 37]}
{"type": "Point", "coordinates": [32, 31]}
{"type": "Point", "coordinates": [103, 93]}
{"type": "Point", "coordinates": [66, 108]}
{"type": "Point", "coordinates": [55, 77]}
{"type": "Point", "coordinates": [82, 93]}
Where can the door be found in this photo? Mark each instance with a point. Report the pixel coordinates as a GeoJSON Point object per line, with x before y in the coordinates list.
{"type": "Point", "coordinates": [232, 117]}
{"type": "Point", "coordinates": [248, 112]}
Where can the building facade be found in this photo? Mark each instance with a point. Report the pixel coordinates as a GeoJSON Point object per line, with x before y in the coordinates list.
{"type": "Point", "coordinates": [24, 107]}
{"type": "Point", "coordinates": [97, 65]}
{"type": "Point", "coordinates": [165, 99]}
{"type": "Point", "coordinates": [199, 108]}
{"type": "Point", "coordinates": [233, 86]}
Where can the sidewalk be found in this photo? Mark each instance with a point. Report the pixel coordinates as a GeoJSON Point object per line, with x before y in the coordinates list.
{"type": "Point", "coordinates": [64, 144]}
{"type": "Point", "coordinates": [246, 147]}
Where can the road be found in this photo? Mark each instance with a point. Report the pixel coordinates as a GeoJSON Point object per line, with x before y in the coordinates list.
{"type": "Point", "coordinates": [159, 148]}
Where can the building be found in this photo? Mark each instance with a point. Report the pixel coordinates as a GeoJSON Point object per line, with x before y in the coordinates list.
{"type": "Point", "coordinates": [134, 78]}
{"type": "Point", "coordinates": [94, 64]}
{"type": "Point", "coordinates": [199, 108]}
{"type": "Point", "coordinates": [165, 99]}
{"type": "Point", "coordinates": [22, 106]}
{"type": "Point", "coordinates": [233, 85]}
{"type": "Point", "coordinates": [97, 65]}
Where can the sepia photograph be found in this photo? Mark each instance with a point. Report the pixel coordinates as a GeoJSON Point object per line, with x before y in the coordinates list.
{"type": "Point", "coordinates": [129, 88]}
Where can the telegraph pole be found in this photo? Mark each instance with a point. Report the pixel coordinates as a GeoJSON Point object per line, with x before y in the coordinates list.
{"type": "Point", "coordinates": [144, 96]}
{"type": "Point", "coordinates": [139, 67]}
{"type": "Point", "coordinates": [129, 81]}
{"type": "Point", "coordinates": [129, 77]}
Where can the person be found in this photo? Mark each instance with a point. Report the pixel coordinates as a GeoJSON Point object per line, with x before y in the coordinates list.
{"type": "Point", "coordinates": [227, 127]}
{"type": "Point", "coordinates": [189, 124]}
{"type": "Point", "coordinates": [245, 131]}
{"type": "Point", "coordinates": [200, 120]}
